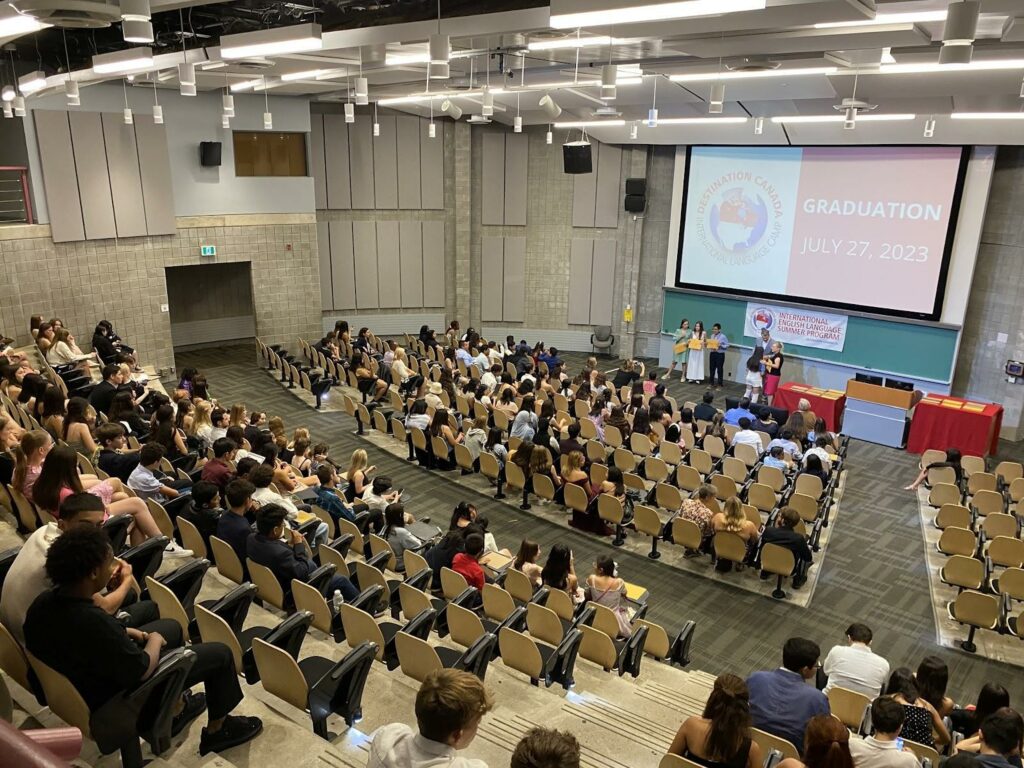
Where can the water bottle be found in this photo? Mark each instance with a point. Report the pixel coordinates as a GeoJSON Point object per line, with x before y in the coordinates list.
{"type": "Point", "coordinates": [337, 600]}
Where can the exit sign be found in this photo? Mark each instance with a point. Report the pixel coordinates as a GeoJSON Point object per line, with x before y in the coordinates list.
{"type": "Point", "coordinates": [207, 250]}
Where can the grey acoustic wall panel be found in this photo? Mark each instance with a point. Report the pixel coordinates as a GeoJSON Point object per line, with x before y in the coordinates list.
{"type": "Point", "coordinates": [581, 257]}
{"type": "Point", "coordinates": [385, 164]}
{"type": "Point", "coordinates": [516, 163]}
{"type": "Point", "coordinates": [409, 191]}
{"type": "Point", "coordinates": [410, 251]}
{"type": "Point", "coordinates": [364, 248]}
{"type": "Point", "coordinates": [125, 179]}
{"type": "Point", "coordinates": [53, 135]}
{"type": "Point", "coordinates": [492, 184]}
{"type": "Point", "coordinates": [492, 278]}
{"type": "Point", "coordinates": [433, 264]}
{"type": "Point", "coordinates": [514, 293]}
{"type": "Point", "coordinates": [323, 249]}
{"type": "Point", "coordinates": [318, 167]}
{"type": "Point", "coordinates": [155, 173]}
{"type": "Point", "coordinates": [336, 162]}
{"type": "Point", "coordinates": [343, 268]}
{"type": "Point", "coordinates": [432, 167]}
{"type": "Point", "coordinates": [584, 191]}
{"type": "Point", "coordinates": [602, 282]}
{"type": "Point", "coordinates": [93, 177]}
{"type": "Point", "coordinates": [608, 198]}
{"type": "Point", "coordinates": [360, 159]}
{"type": "Point", "coordinates": [389, 269]}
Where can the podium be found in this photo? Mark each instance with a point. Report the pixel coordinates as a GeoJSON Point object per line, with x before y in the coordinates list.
{"type": "Point", "coordinates": [876, 414]}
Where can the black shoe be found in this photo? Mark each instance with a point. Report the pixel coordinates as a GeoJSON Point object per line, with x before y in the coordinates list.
{"type": "Point", "coordinates": [195, 703]}
{"type": "Point", "coordinates": [799, 582]}
{"type": "Point", "coordinates": [235, 730]}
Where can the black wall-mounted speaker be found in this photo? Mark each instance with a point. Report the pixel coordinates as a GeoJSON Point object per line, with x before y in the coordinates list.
{"type": "Point", "coordinates": [635, 203]}
{"type": "Point", "coordinates": [209, 153]}
{"type": "Point", "coordinates": [636, 186]}
{"type": "Point", "coordinates": [577, 158]}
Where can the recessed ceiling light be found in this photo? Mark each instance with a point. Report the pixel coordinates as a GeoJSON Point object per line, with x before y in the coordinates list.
{"type": "Point", "coordinates": [630, 14]}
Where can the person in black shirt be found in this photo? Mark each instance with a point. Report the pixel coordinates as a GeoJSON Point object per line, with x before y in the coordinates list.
{"type": "Point", "coordinates": [203, 509]}
{"type": "Point", "coordinates": [10, 436]}
{"type": "Point", "coordinates": [704, 410]}
{"type": "Point", "coordinates": [784, 535]}
{"type": "Point", "coordinates": [629, 372]}
{"type": "Point", "coordinates": [102, 394]}
{"type": "Point", "coordinates": [571, 443]}
{"type": "Point", "coordinates": [953, 461]}
{"type": "Point", "coordinates": [235, 525]}
{"type": "Point", "coordinates": [67, 631]}
{"type": "Point", "coordinates": [111, 459]}
{"type": "Point", "coordinates": [765, 423]}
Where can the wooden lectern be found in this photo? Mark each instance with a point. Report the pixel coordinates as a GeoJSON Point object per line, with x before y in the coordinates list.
{"type": "Point", "coordinates": [876, 414]}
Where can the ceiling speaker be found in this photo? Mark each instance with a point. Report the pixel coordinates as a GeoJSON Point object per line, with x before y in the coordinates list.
{"type": "Point", "coordinates": [577, 158]}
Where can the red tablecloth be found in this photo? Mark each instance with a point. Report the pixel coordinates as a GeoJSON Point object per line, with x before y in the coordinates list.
{"type": "Point", "coordinates": [826, 403]}
{"type": "Point", "coordinates": [942, 422]}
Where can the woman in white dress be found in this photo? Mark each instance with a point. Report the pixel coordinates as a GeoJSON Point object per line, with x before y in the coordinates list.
{"type": "Point", "coordinates": [694, 370]}
{"type": "Point", "coordinates": [679, 358]}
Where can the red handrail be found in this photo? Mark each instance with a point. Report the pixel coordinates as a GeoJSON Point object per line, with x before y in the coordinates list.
{"type": "Point", "coordinates": [23, 178]}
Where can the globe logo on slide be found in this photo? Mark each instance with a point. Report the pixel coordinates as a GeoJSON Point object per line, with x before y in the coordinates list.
{"type": "Point", "coordinates": [738, 220]}
{"type": "Point", "coordinates": [762, 318]}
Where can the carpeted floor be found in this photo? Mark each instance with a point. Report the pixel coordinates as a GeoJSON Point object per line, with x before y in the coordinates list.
{"type": "Point", "coordinates": [875, 570]}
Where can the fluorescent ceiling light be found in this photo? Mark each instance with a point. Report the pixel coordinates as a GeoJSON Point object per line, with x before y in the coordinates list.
{"type": "Point", "coordinates": [591, 123]}
{"type": "Point", "coordinates": [309, 74]}
{"type": "Point", "coordinates": [764, 73]}
{"type": "Point", "coordinates": [128, 60]}
{"type": "Point", "coordinates": [702, 120]}
{"type": "Point", "coordinates": [32, 82]}
{"type": "Point", "coordinates": [19, 24]}
{"type": "Point", "coordinates": [841, 118]}
{"type": "Point", "coordinates": [419, 57]}
{"type": "Point", "coordinates": [987, 115]}
{"type": "Point", "coordinates": [419, 97]}
{"type": "Point", "coordinates": [576, 42]}
{"type": "Point", "coordinates": [269, 42]}
{"type": "Point", "coordinates": [245, 85]}
{"type": "Point", "coordinates": [887, 18]}
{"type": "Point", "coordinates": [654, 12]}
{"type": "Point", "coordinates": [913, 69]}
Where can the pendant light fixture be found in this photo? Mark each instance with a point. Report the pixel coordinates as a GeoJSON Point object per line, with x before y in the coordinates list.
{"type": "Point", "coordinates": [633, 130]}
{"type": "Point", "coordinates": [652, 113]}
{"type": "Point", "coordinates": [758, 126]}
{"type": "Point", "coordinates": [929, 128]}
{"type": "Point", "coordinates": [186, 71]}
{"type": "Point", "coordinates": [128, 119]}
{"type": "Point", "coordinates": [268, 119]}
{"type": "Point", "coordinates": [362, 85]}
{"type": "Point", "coordinates": [376, 125]}
{"type": "Point", "coordinates": [959, 32]}
{"type": "Point", "coordinates": [432, 129]}
{"type": "Point", "coordinates": [70, 86]}
{"type": "Point", "coordinates": [136, 24]}
{"type": "Point", "coordinates": [158, 111]}
{"type": "Point", "coordinates": [440, 51]}
{"type": "Point", "coordinates": [228, 104]}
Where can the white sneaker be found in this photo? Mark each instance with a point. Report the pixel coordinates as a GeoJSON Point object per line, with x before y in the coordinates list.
{"type": "Point", "coordinates": [173, 550]}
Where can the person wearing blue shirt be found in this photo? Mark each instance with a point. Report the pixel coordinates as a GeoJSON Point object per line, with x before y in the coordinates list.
{"type": "Point", "coordinates": [717, 356]}
{"type": "Point", "coordinates": [462, 353]}
{"type": "Point", "coordinates": [783, 700]}
{"type": "Point", "coordinates": [741, 411]}
{"type": "Point", "coordinates": [327, 496]}
{"type": "Point", "coordinates": [776, 458]}
{"type": "Point", "coordinates": [550, 358]}
{"type": "Point", "coordinates": [788, 444]}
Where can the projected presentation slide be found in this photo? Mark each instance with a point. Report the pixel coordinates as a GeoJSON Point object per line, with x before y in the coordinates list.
{"type": "Point", "coordinates": [844, 226]}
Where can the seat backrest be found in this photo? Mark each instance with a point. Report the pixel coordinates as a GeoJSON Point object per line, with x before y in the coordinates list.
{"type": "Point", "coordinates": [464, 625]}
{"type": "Point", "coordinates": [413, 601]}
{"type": "Point", "coordinates": [543, 623]}
{"type": "Point", "coordinates": [280, 675]}
{"type": "Point", "coordinates": [228, 564]}
{"type": "Point", "coordinates": [768, 742]}
{"type": "Point", "coordinates": [62, 697]}
{"type": "Point", "coordinates": [308, 598]}
{"type": "Point", "coordinates": [416, 657]}
{"type": "Point", "coordinates": [761, 497]}
{"type": "Point", "coordinates": [923, 752]}
{"type": "Point", "coordinates": [941, 475]}
{"type": "Point", "coordinates": [646, 520]}
{"type": "Point", "coordinates": [977, 609]}
{"type": "Point", "coordinates": [414, 563]}
{"type": "Point", "coordinates": [331, 556]}
{"type": "Point", "coordinates": [963, 571]}
{"type": "Point", "coordinates": [609, 508]}
{"type": "Point", "coordinates": [368, 576]}
{"type": "Point", "coordinates": [688, 478]}
{"type": "Point", "coordinates": [953, 514]}
{"type": "Point", "coordinates": [602, 333]}
{"type": "Point", "coordinates": [519, 652]}
{"type": "Point", "coordinates": [576, 498]}
{"type": "Point", "coordinates": [514, 476]}
{"type": "Point", "coordinates": [675, 761]}
{"type": "Point", "coordinates": [597, 647]}
{"type": "Point", "coordinates": [987, 502]}
{"type": "Point", "coordinates": [268, 588]}
{"type": "Point", "coordinates": [498, 604]}
{"type": "Point", "coordinates": [168, 604]}
{"type": "Point", "coordinates": [213, 629]}
{"type": "Point", "coordinates": [686, 533]}
{"type": "Point", "coordinates": [1000, 524]}
{"type": "Point", "coordinates": [518, 584]}
{"type": "Point", "coordinates": [612, 436]}
{"type": "Point", "coordinates": [1006, 551]}
{"type": "Point", "coordinates": [191, 537]}
{"type": "Point", "coordinates": [379, 546]}
{"type": "Point", "coordinates": [12, 659]}
{"type": "Point", "coordinates": [657, 643]}
{"type": "Point", "coordinates": [725, 487]}
{"type": "Point", "coordinates": [464, 458]}
{"type": "Point", "coordinates": [604, 620]}
{"type": "Point", "coordinates": [809, 485]}
{"type": "Point", "coordinates": [1008, 471]}
{"type": "Point", "coordinates": [729, 546]}
{"type": "Point", "coordinates": [982, 481]}
{"type": "Point", "coordinates": [359, 627]}
{"type": "Point", "coordinates": [161, 518]}
{"type": "Point", "coordinates": [558, 600]}
{"type": "Point", "coordinates": [748, 454]}
{"type": "Point", "coordinates": [777, 560]}
{"type": "Point", "coordinates": [1011, 582]}
{"type": "Point", "coordinates": [715, 446]}
{"type": "Point", "coordinates": [849, 706]}
{"type": "Point", "coordinates": [772, 477]}
{"type": "Point", "coordinates": [453, 584]}
{"type": "Point", "coordinates": [543, 486]}
{"type": "Point", "coordinates": [346, 528]}
{"type": "Point", "coordinates": [489, 466]}
{"type": "Point", "coordinates": [957, 541]}
{"type": "Point", "coordinates": [805, 506]}
{"type": "Point", "coordinates": [943, 493]}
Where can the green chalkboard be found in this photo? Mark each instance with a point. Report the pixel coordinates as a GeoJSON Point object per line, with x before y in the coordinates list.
{"type": "Point", "coordinates": [919, 351]}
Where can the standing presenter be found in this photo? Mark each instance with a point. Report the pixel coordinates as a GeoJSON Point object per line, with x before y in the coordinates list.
{"type": "Point", "coordinates": [694, 370]}
{"type": "Point", "coordinates": [679, 349]}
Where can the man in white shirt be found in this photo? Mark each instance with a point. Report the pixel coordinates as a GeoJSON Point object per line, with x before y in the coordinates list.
{"type": "Point", "coordinates": [881, 750]}
{"type": "Point", "coordinates": [221, 420]}
{"type": "Point", "coordinates": [481, 361]}
{"type": "Point", "coordinates": [489, 378]}
{"type": "Point", "coordinates": [747, 436]}
{"type": "Point", "coordinates": [821, 450]}
{"type": "Point", "coordinates": [856, 666]}
{"type": "Point", "coordinates": [449, 707]}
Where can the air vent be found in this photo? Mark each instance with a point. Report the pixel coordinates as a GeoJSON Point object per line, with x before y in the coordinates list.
{"type": "Point", "coordinates": [253, 64]}
{"type": "Point", "coordinates": [71, 14]}
{"type": "Point", "coordinates": [479, 120]}
{"type": "Point", "coordinates": [751, 64]}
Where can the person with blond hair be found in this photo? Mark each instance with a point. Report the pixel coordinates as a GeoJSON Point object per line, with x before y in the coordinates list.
{"type": "Point", "coordinates": [732, 520]}
{"type": "Point", "coordinates": [449, 707]}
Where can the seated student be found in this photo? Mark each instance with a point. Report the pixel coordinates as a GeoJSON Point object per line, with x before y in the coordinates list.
{"type": "Point", "coordinates": [781, 701]}
{"type": "Point", "coordinates": [705, 411]}
{"type": "Point", "coordinates": [526, 561]}
{"type": "Point", "coordinates": [235, 524]}
{"type": "Point", "coordinates": [776, 457]}
{"type": "Point", "coordinates": [732, 520]}
{"type": "Point", "coordinates": [880, 750]}
{"type": "Point", "coordinates": [27, 577]}
{"type": "Point", "coordinates": [217, 470]}
{"type": "Point", "coordinates": [855, 666]}
{"type": "Point", "coordinates": [659, 404]}
{"type": "Point", "coordinates": [765, 423]}
{"type": "Point", "coordinates": [546, 748]}
{"type": "Point", "coordinates": [147, 485]}
{"type": "Point", "coordinates": [991, 697]}
{"type": "Point", "coordinates": [823, 450]}
{"type": "Point", "coordinates": [468, 563]}
{"type": "Point", "coordinates": [378, 494]}
{"type": "Point", "coordinates": [291, 560]}
{"type": "Point", "coordinates": [742, 410]}
{"type": "Point", "coordinates": [747, 436]}
{"type": "Point", "coordinates": [923, 723]}
{"type": "Point", "coordinates": [102, 394]}
{"type": "Point", "coordinates": [262, 477]}
{"type": "Point", "coordinates": [221, 420]}
{"type": "Point", "coordinates": [397, 536]}
{"type": "Point", "coordinates": [449, 707]}
{"type": "Point", "coordinates": [1000, 739]}
{"type": "Point", "coordinates": [331, 500]}
{"type": "Point", "coordinates": [605, 588]}
{"type": "Point", "coordinates": [785, 535]}
{"type": "Point", "coordinates": [203, 509]}
{"type": "Point", "coordinates": [112, 457]}
{"type": "Point", "coordinates": [572, 442]}
{"type": "Point", "coordinates": [788, 444]}
{"type": "Point", "coordinates": [826, 745]}
{"type": "Point", "coordinates": [720, 737]}
{"type": "Point", "coordinates": [813, 466]}
{"type": "Point", "coordinates": [101, 658]}
{"type": "Point", "coordinates": [952, 460]}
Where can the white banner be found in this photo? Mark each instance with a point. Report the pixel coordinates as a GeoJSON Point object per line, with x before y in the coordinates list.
{"type": "Point", "coordinates": [796, 326]}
